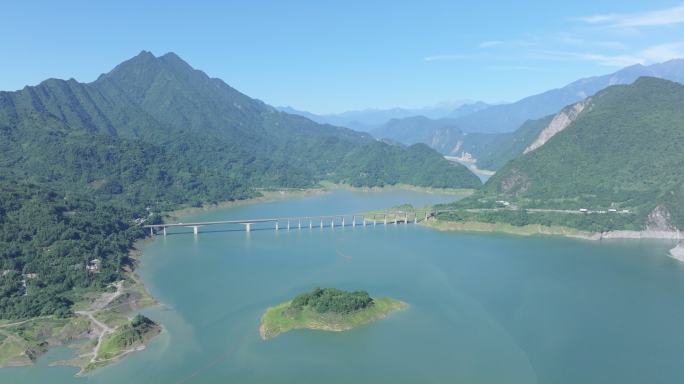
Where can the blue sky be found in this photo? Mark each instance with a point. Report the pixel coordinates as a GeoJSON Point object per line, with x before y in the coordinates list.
{"type": "Point", "coordinates": [330, 56]}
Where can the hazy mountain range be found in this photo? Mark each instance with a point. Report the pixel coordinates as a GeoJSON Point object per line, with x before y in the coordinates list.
{"type": "Point", "coordinates": [369, 119]}
{"type": "Point", "coordinates": [490, 134]}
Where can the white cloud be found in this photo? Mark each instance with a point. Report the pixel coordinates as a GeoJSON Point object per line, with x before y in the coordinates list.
{"type": "Point", "coordinates": [649, 55]}
{"type": "Point", "coordinates": [607, 44]}
{"type": "Point", "coordinates": [663, 52]}
{"type": "Point", "coordinates": [661, 17]}
{"type": "Point", "coordinates": [515, 68]}
{"type": "Point", "coordinates": [611, 60]}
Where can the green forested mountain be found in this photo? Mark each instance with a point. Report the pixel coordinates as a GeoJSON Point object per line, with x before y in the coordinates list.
{"type": "Point", "coordinates": [157, 129]}
{"type": "Point", "coordinates": [79, 162]}
{"type": "Point", "coordinates": [382, 163]}
{"type": "Point", "coordinates": [624, 151]}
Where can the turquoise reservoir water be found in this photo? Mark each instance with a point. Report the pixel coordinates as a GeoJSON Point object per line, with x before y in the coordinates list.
{"type": "Point", "coordinates": [483, 308]}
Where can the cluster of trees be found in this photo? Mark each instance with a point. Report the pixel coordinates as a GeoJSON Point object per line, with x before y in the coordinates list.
{"type": "Point", "coordinates": [324, 300]}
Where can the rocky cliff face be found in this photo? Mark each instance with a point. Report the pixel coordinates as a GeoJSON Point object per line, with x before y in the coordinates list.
{"type": "Point", "coordinates": [561, 121]}
{"type": "Point", "coordinates": [660, 219]}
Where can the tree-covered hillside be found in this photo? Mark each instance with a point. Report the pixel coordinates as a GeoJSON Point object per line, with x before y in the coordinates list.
{"type": "Point", "coordinates": [48, 239]}
{"type": "Point", "coordinates": [379, 164]}
{"type": "Point", "coordinates": [625, 151]}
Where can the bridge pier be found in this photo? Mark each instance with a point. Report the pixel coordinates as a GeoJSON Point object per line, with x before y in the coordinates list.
{"type": "Point", "coordinates": [151, 231]}
{"type": "Point", "coordinates": [385, 217]}
{"type": "Point", "coordinates": [321, 223]}
{"type": "Point", "coordinates": [310, 223]}
{"type": "Point", "coordinates": [342, 221]}
{"type": "Point", "coordinates": [332, 223]}
{"type": "Point", "coordinates": [195, 229]}
{"type": "Point", "coordinates": [248, 227]}
{"type": "Point", "coordinates": [288, 224]}
{"type": "Point", "coordinates": [164, 228]}
{"type": "Point", "coordinates": [276, 228]}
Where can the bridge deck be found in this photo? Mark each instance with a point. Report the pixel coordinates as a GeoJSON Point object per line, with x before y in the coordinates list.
{"type": "Point", "coordinates": [356, 219]}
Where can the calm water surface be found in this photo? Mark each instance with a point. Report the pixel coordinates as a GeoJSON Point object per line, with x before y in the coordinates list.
{"type": "Point", "coordinates": [484, 308]}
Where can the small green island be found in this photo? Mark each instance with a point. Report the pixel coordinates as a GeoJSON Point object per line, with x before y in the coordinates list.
{"type": "Point", "coordinates": [327, 309]}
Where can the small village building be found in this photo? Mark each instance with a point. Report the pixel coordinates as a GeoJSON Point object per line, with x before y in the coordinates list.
{"type": "Point", "coordinates": [94, 266]}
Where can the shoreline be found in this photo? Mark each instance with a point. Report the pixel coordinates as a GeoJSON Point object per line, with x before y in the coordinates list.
{"type": "Point", "coordinates": [538, 229]}
{"type": "Point", "coordinates": [142, 298]}
{"type": "Point", "coordinates": [81, 331]}
{"type": "Point", "coordinates": [84, 328]}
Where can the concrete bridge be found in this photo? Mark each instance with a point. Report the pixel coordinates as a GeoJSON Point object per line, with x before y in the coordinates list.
{"type": "Point", "coordinates": [299, 222]}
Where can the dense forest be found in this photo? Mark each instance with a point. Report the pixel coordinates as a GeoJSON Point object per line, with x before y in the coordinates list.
{"type": "Point", "coordinates": [324, 300]}
{"type": "Point", "coordinates": [47, 241]}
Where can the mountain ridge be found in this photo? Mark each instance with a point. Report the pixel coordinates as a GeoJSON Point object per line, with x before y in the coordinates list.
{"type": "Point", "coordinates": [171, 106]}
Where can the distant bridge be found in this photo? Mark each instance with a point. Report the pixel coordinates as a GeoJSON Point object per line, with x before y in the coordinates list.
{"type": "Point", "coordinates": [300, 222]}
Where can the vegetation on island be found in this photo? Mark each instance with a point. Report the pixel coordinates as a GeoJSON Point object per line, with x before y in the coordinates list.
{"type": "Point", "coordinates": [326, 309]}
